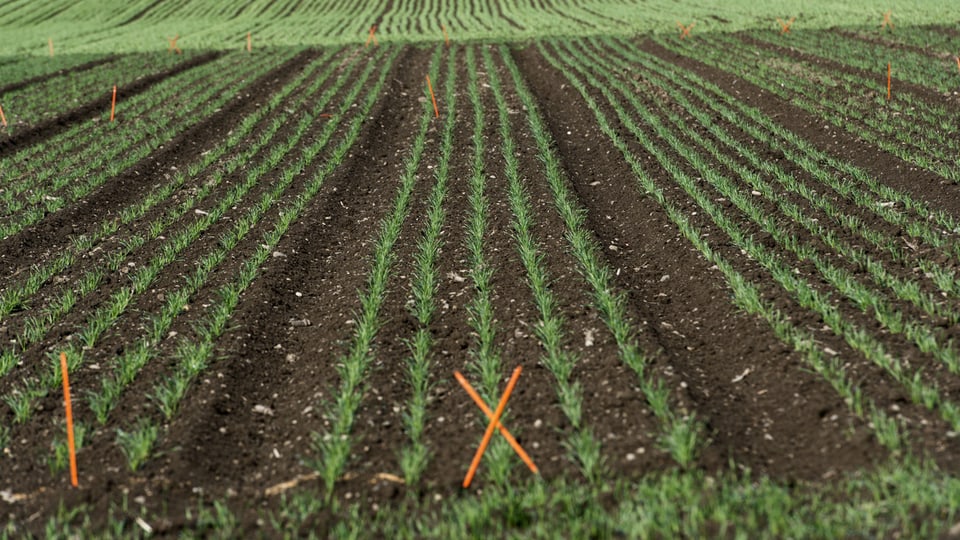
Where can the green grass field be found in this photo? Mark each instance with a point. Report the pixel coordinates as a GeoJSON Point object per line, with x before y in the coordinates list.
{"type": "Point", "coordinates": [89, 26]}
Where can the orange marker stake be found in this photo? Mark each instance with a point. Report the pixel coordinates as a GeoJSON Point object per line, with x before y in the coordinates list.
{"type": "Point", "coordinates": [173, 44]}
{"type": "Point", "coordinates": [3, 117]}
{"type": "Point", "coordinates": [888, 81]}
{"type": "Point", "coordinates": [113, 102]}
{"type": "Point", "coordinates": [50, 43]}
{"type": "Point", "coordinates": [249, 43]}
{"type": "Point", "coordinates": [785, 26]}
{"type": "Point", "coordinates": [446, 38]}
{"type": "Point", "coordinates": [503, 430]}
{"type": "Point", "coordinates": [685, 30]}
{"type": "Point", "coordinates": [493, 424]}
{"type": "Point", "coordinates": [430, 87]}
{"type": "Point", "coordinates": [958, 62]}
{"type": "Point", "coordinates": [66, 402]}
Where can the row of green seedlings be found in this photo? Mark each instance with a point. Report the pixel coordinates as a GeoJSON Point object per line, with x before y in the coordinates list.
{"type": "Point", "coordinates": [30, 73]}
{"type": "Point", "coordinates": [59, 193]}
{"type": "Point", "coordinates": [889, 131]}
{"type": "Point", "coordinates": [59, 167]}
{"type": "Point", "coordinates": [193, 357]}
{"type": "Point", "coordinates": [681, 431]}
{"type": "Point", "coordinates": [537, 19]}
{"type": "Point", "coordinates": [415, 455]}
{"type": "Point", "coordinates": [908, 126]}
{"type": "Point", "coordinates": [23, 69]}
{"type": "Point", "coordinates": [333, 447]}
{"type": "Point", "coordinates": [930, 40]}
{"type": "Point", "coordinates": [35, 327]}
{"type": "Point", "coordinates": [167, 395]}
{"type": "Point", "coordinates": [484, 351]}
{"type": "Point", "coordinates": [57, 156]}
{"type": "Point", "coordinates": [908, 122]}
{"type": "Point", "coordinates": [921, 229]}
{"type": "Point", "coordinates": [746, 294]}
{"type": "Point", "coordinates": [143, 350]}
{"type": "Point", "coordinates": [911, 500]}
{"type": "Point", "coordinates": [663, 159]}
{"type": "Point", "coordinates": [937, 72]}
{"type": "Point", "coordinates": [217, 33]}
{"type": "Point", "coordinates": [101, 170]}
{"type": "Point", "coordinates": [327, 19]}
{"type": "Point", "coordinates": [925, 394]}
{"type": "Point", "coordinates": [214, 10]}
{"type": "Point", "coordinates": [583, 447]}
{"type": "Point", "coordinates": [927, 227]}
{"type": "Point", "coordinates": [338, 24]}
{"type": "Point", "coordinates": [30, 13]}
{"type": "Point", "coordinates": [145, 138]}
{"type": "Point", "coordinates": [28, 106]}
{"type": "Point", "coordinates": [477, 18]}
{"type": "Point", "coordinates": [15, 296]}
{"type": "Point", "coordinates": [924, 335]}
{"type": "Point", "coordinates": [101, 403]}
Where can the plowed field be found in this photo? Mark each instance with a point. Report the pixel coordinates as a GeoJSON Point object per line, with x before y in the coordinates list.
{"type": "Point", "coordinates": [727, 265]}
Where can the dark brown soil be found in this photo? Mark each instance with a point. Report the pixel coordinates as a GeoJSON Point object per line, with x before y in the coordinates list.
{"type": "Point", "coordinates": [884, 166]}
{"type": "Point", "coordinates": [696, 334]}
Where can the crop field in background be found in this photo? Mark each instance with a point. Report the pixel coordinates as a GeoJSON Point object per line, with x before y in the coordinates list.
{"type": "Point", "coordinates": [728, 262]}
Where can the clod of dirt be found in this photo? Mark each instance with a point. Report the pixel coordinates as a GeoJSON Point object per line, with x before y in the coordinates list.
{"type": "Point", "coordinates": [741, 376]}
{"type": "Point", "coordinates": [263, 409]}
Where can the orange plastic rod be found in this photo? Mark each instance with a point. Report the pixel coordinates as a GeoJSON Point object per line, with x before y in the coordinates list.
{"type": "Point", "coordinates": [493, 424]}
{"type": "Point", "coordinates": [503, 430]}
{"type": "Point", "coordinates": [436, 111]}
{"type": "Point", "coordinates": [113, 102]}
{"type": "Point", "coordinates": [66, 401]}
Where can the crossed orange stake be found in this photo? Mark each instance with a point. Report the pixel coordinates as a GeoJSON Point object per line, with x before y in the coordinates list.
{"type": "Point", "coordinates": [785, 25]}
{"type": "Point", "coordinates": [887, 20]}
{"type": "Point", "coordinates": [173, 44]}
{"type": "Point", "coordinates": [494, 424]}
{"type": "Point", "coordinates": [372, 36]}
{"type": "Point", "coordinates": [685, 30]}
